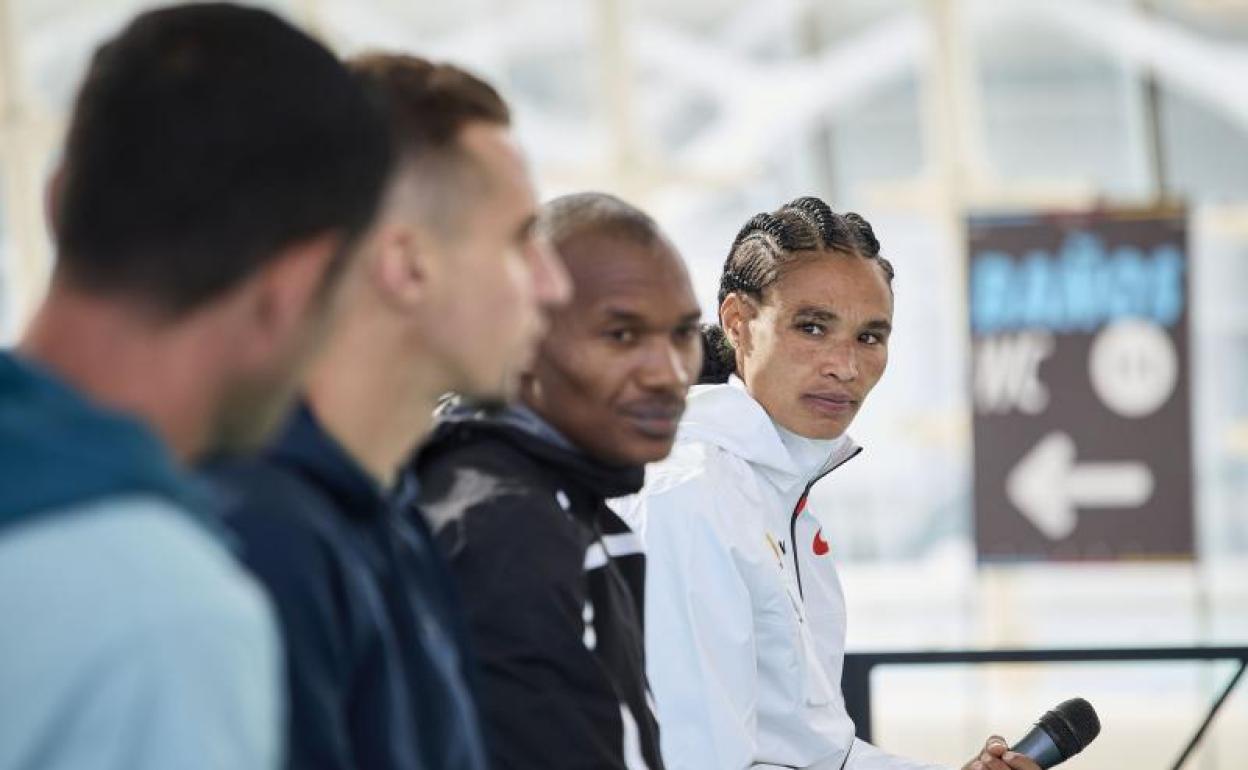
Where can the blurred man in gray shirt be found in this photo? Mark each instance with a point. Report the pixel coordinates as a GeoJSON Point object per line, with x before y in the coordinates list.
{"type": "Point", "coordinates": [219, 166]}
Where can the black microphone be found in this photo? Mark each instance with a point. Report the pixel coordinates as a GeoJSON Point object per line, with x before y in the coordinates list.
{"type": "Point", "coordinates": [1061, 733]}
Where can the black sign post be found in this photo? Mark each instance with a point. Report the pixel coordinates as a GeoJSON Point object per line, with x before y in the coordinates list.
{"type": "Point", "coordinates": [1080, 386]}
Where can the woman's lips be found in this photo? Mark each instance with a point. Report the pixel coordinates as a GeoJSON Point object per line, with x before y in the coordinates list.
{"type": "Point", "coordinates": [830, 405]}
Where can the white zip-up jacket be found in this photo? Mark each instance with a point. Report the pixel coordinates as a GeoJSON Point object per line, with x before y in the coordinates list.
{"type": "Point", "coordinates": [745, 618]}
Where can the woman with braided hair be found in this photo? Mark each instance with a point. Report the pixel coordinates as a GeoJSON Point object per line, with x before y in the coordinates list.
{"type": "Point", "coordinates": [745, 618]}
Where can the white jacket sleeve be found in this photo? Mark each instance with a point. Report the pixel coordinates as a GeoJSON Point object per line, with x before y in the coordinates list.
{"type": "Point", "coordinates": [699, 643]}
{"type": "Point", "coordinates": [865, 756]}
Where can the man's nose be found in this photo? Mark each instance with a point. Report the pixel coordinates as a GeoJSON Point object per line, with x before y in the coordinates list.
{"type": "Point", "coordinates": [665, 367]}
{"type": "Point", "coordinates": [551, 284]}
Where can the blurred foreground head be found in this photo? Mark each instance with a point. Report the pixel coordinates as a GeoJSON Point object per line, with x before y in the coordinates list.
{"type": "Point", "coordinates": [614, 370]}
{"type": "Point", "coordinates": [218, 167]}
{"type": "Point", "coordinates": [455, 262]}
{"type": "Point", "coordinates": [805, 310]}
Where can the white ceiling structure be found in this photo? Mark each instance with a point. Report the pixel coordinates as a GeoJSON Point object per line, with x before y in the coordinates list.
{"type": "Point", "coordinates": [914, 112]}
{"type": "Point", "coordinates": [705, 111]}
{"type": "Point", "coordinates": [679, 105]}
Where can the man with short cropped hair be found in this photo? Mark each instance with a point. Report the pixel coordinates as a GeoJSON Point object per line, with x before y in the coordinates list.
{"type": "Point", "coordinates": [218, 168]}
{"type": "Point", "coordinates": [448, 296]}
{"type": "Point", "coordinates": [550, 578]}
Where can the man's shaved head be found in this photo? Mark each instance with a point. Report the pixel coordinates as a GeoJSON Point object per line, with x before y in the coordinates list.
{"type": "Point", "coordinates": [612, 374]}
{"type": "Point", "coordinates": [570, 216]}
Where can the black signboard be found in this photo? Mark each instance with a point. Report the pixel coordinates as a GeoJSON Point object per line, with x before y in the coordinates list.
{"type": "Point", "coordinates": [1080, 386]}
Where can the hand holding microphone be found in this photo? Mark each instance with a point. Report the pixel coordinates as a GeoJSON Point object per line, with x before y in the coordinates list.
{"type": "Point", "coordinates": [1056, 737]}
{"type": "Point", "coordinates": [996, 755]}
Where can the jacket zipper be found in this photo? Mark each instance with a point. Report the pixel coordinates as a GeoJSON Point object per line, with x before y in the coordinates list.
{"type": "Point", "coordinates": [797, 510]}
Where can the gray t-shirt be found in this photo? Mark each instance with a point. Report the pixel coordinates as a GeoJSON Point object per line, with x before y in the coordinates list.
{"type": "Point", "coordinates": [130, 639]}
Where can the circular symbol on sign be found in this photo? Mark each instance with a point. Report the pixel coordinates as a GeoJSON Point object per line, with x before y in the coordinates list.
{"type": "Point", "coordinates": [1133, 366]}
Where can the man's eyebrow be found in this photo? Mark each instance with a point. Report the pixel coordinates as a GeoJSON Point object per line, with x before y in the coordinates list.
{"type": "Point", "coordinates": [878, 325]}
{"type": "Point", "coordinates": [629, 316]}
{"type": "Point", "coordinates": [620, 314]}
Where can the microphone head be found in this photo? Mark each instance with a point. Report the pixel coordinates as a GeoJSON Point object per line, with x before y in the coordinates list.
{"type": "Point", "coordinates": [1072, 726]}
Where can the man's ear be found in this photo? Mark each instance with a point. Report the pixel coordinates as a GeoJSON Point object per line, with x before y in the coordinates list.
{"type": "Point", "coordinates": [528, 388]}
{"type": "Point", "coordinates": [289, 294]}
{"type": "Point", "coordinates": [402, 264]}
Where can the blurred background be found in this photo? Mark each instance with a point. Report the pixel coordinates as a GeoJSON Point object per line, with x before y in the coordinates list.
{"type": "Point", "coordinates": [931, 118]}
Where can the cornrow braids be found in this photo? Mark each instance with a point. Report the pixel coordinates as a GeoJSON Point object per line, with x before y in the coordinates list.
{"type": "Point", "coordinates": [864, 233]}
{"type": "Point", "coordinates": [719, 361]}
{"type": "Point", "coordinates": [768, 242]}
{"type": "Point", "coordinates": [771, 241]}
{"type": "Point", "coordinates": [830, 227]}
{"type": "Point", "coordinates": [870, 244]}
{"type": "Point", "coordinates": [765, 224]}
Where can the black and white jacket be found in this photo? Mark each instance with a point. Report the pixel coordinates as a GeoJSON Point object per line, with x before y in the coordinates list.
{"type": "Point", "coordinates": [551, 582]}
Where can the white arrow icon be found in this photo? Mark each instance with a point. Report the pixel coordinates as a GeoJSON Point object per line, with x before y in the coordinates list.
{"type": "Point", "coordinates": [1048, 487]}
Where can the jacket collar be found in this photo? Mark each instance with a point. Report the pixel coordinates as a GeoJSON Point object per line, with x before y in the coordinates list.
{"type": "Point", "coordinates": [459, 423]}
{"type": "Point", "coordinates": [727, 416]}
{"type": "Point", "coordinates": [305, 445]}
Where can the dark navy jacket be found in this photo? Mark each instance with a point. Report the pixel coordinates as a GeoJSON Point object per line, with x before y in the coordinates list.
{"type": "Point", "coordinates": [378, 679]}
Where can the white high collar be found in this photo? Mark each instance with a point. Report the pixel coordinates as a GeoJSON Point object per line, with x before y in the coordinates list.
{"type": "Point", "coordinates": [727, 416]}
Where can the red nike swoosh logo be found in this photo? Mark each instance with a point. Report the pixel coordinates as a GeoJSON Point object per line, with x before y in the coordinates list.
{"type": "Point", "coordinates": [820, 545]}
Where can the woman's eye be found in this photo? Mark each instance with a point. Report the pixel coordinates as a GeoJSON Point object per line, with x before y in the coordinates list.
{"type": "Point", "coordinates": [621, 335]}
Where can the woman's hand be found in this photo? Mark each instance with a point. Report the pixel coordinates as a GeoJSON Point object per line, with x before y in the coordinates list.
{"type": "Point", "coordinates": [997, 756]}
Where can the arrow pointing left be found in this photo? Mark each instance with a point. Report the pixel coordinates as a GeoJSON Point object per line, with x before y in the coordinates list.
{"type": "Point", "coordinates": [1048, 487]}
